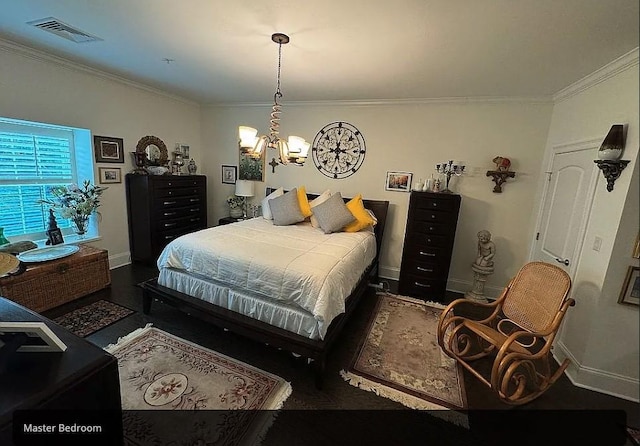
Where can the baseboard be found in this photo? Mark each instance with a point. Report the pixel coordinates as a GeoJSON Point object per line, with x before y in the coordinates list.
{"type": "Point", "coordinates": [462, 286]}
{"type": "Point", "coordinates": [389, 272]}
{"type": "Point", "coordinates": [118, 260]}
{"type": "Point", "coordinates": [597, 380]}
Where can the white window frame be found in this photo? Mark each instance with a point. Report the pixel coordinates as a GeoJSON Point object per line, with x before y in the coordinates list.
{"type": "Point", "coordinates": [81, 153]}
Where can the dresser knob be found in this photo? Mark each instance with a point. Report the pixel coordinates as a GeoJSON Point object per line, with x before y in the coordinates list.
{"type": "Point", "coordinates": [423, 285]}
{"type": "Point", "coordinates": [430, 228]}
{"type": "Point", "coordinates": [428, 240]}
{"type": "Point", "coordinates": [426, 270]}
{"type": "Point", "coordinates": [428, 254]}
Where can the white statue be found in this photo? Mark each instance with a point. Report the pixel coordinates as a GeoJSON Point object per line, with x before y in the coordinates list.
{"type": "Point", "coordinates": [482, 267]}
{"type": "Point", "coordinates": [486, 249]}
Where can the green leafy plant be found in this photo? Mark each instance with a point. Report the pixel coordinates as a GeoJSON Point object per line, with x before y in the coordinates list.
{"type": "Point", "coordinates": [75, 203]}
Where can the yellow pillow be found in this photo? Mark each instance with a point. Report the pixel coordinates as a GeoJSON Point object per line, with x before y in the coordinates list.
{"type": "Point", "coordinates": [304, 202]}
{"type": "Point", "coordinates": [363, 219]}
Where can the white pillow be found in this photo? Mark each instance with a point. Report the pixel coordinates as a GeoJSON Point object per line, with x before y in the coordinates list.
{"type": "Point", "coordinates": [315, 202]}
{"type": "Point", "coordinates": [266, 211]}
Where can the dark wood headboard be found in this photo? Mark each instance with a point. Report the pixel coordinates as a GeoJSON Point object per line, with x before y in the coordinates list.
{"type": "Point", "coordinates": [378, 207]}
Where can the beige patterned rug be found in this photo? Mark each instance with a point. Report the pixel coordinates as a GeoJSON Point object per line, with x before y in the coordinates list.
{"type": "Point", "coordinates": [400, 358]}
{"type": "Point", "coordinates": [175, 390]}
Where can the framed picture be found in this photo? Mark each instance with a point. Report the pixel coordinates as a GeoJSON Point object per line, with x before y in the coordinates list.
{"type": "Point", "coordinates": [251, 168]}
{"type": "Point", "coordinates": [110, 175]}
{"type": "Point", "coordinates": [185, 151]}
{"type": "Point", "coordinates": [54, 237]}
{"type": "Point", "coordinates": [636, 248]}
{"type": "Point", "coordinates": [398, 181]}
{"type": "Point", "coordinates": [229, 174]}
{"type": "Point", "coordinates": [630, 294]}
{"type": "Point", "coordinates": [108, 150]}
{"type": "Point", "coordinates": [30, 336]}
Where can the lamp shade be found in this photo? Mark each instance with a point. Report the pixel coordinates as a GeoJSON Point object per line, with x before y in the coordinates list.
{"type": "Point", "coordinates": [613, 144]}
{"type": "Point", "coordinates": [247, 136]}
{"type": "Point", "coordinates": [244, 188]}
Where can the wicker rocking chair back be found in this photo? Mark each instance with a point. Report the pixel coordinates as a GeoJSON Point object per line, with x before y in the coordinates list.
{"type": "Point", "coordinates": [535, 295]}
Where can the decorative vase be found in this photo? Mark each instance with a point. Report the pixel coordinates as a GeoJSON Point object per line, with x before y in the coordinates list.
{"type": "Point", "coordinates": [191, 167]}
{"type": "Point", "coordinates": [235, 212]}
{"type": "Point", "coordinates": [81, 222]}
{"type": "Point", "coordinates": [3, 239]}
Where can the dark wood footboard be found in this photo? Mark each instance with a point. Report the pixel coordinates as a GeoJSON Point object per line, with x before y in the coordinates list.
{"type": "Point", "coordinates": [317, 350]}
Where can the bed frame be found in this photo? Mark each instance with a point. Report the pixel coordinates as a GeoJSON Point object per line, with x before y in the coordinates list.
{"type": "Point", "coordinates": [317, 350]}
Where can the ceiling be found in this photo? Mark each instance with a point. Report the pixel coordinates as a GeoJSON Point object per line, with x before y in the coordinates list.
{"type": "Point", "coordinates": [340, 50]}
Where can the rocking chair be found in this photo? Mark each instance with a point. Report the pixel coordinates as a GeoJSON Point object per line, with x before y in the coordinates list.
{"type": "Point", "coordinates": [516, 331]}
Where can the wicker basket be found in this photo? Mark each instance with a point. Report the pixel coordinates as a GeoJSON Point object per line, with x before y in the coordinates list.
{"type": "Point", "coordinates": [50, 284]}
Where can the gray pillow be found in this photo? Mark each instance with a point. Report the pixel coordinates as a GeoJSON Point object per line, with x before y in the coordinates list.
{"type": "Point", "coordinates": [333, 214]}
{"type": "Point", "coordinates": [285, 209]}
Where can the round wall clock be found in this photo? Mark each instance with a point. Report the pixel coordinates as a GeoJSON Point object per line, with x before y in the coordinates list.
{"type": "Point", "coordinates": [338, 150]}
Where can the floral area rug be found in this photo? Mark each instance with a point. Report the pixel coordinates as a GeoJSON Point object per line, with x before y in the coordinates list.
{"type": "Point", "coordinates": [174, 392]}
{"type": "Point", "coordinates": [93, 317]}
{"type": "Point", "coordinates": [400, 359]}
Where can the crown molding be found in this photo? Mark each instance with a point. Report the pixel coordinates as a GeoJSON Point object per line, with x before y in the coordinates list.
{"type": "Point", "coordinates": [31, 53]}
{"type": "Point", "coordinates": [610, 70]}
{"type": "Point", "coordinates": [382, 102]}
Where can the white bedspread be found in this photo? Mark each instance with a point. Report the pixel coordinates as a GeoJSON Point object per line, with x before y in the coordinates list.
{"type": "Point", "coordinates": [297, 264]}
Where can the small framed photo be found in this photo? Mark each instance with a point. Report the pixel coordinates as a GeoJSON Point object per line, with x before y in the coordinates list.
{"type": "Point", "coordinates": [30, 337]}
{"type": "Point", "coordinates": [185, 151]}
{"type": "Point", "coordinates": [110, 175]}
{"type": "Point", "coordinates": [398, 181]}
{"type": "Point", "coordinates": [54, 237]}
{"type": "Point", "coordinates": [630, 293]}
{"type": "Point", "coordinates": [229, 174]}
{"type": "Point", "coordinates": [108, 150]}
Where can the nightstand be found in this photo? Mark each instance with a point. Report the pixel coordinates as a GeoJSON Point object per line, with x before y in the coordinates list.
{"type": "Point", "coordinates": [228, 220]}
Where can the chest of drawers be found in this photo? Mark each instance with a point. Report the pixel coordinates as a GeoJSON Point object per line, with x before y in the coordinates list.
{"type": "Point", "coordinates": [428, 243]}
{"type": "Point", "coordinates": [161, 208]}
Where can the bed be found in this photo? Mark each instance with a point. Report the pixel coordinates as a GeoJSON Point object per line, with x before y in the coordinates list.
{"type": "Point", "coordinates": [292, 287]}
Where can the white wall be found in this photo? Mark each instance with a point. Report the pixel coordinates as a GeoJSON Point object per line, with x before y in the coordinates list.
{"type": "Point", "coordinates": [600, 335]}
{"type": "Point", "coordinates": [37, 87]}
{"type": "Point", "coordinates": [411, 137]}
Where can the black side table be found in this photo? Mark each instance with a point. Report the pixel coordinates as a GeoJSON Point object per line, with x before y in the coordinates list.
{"type": "Point", "coordinates": [228, 220]}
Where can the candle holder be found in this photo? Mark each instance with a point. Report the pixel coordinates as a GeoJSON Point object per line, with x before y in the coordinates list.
{"type": "Point", "coordinates": [448, 169]}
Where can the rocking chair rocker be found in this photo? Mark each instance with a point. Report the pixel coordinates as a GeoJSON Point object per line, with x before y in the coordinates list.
{"type": "Point", "coordinates": [518, 333]}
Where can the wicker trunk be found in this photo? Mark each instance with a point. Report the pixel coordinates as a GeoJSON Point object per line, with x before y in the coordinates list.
{"type": "Point", "coordinates": [50, 284]}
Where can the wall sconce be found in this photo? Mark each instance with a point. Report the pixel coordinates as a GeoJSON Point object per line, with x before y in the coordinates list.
{"type": "Point", "coordinates": [609, 153]}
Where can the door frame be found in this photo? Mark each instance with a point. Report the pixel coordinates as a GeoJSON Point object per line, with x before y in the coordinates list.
{"type": "Point", "coordinates": [578, 146]}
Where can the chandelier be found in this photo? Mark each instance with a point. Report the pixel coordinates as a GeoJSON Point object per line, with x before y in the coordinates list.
{"type": "Point", "coordinates": [294, 150]}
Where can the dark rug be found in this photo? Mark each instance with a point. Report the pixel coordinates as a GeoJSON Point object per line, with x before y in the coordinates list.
{"type": "Point", "coordinates": [93, 317]}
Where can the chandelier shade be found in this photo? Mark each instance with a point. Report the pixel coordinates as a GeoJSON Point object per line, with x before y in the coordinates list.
{"type": "Point", "coordinates": [294, 149]}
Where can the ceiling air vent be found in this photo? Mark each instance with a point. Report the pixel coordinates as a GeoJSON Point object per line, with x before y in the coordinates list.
{"type": "Point", "coordinates": [55, 26]}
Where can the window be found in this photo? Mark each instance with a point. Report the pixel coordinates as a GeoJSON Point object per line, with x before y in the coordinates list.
{"type": "Point", "coordinates": [33, 157]}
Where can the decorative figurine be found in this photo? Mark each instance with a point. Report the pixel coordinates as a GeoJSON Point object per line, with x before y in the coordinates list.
{"type": "Point", "coordinates": [54, 235]}
{"type": "Point", "coordinates": [502, 164]}
{"type": "Point", "coordinates": [483, 266]}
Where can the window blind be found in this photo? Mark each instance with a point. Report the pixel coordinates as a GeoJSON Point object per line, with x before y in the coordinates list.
{"type": "Point", "coordinates": [32, 159]}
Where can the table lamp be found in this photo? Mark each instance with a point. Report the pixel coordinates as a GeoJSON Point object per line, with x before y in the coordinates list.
{"type": "Point", "coordinates": [244, 189]}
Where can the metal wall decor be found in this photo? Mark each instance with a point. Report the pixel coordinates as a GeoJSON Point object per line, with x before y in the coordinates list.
{"type": "Point", "coordinates": [338, 150]}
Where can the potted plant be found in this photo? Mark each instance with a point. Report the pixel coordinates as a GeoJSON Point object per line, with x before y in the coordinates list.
{"type": "Point", "coordinates": [76, 203]}
{"type": "Point", "coordinates": [235, 206]}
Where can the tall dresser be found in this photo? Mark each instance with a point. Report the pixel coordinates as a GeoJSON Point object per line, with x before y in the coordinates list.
{"type": "Point", "coordinates": [161, 208]}
{"type": "Point", "coordinates": [428, 242]}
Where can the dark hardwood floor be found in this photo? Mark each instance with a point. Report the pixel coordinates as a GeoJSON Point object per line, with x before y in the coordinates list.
{"type": "Point", "coordinates": [342, 414]}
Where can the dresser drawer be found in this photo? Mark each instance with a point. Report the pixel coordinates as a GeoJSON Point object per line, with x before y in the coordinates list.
{"type": "Point", "coordinates": [435, 204]}
{"type": "Point", "coordinates": [184, 221]}
{"type": "Point", "coordinates": [162, 204]}
{"type": "Point", "coordinates": [171, 212]}
{"type": "Point", "coordinates": [424, 269]}
{"type": "Point", "coordinates": [176, 182]}
{"type": "Point", "coordinates": [178, 192]}
{"type": "Point", "coordinates": [431, 216]}
{"type": "Point", "coordinates": [428, 239]}
{"type": "Point", "coordinates": [431, 289]}
{"type": "Point", "coordinates": [425, 253]}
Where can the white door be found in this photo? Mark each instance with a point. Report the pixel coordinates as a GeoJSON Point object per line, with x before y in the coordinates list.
{"type": "Point", "coordinates": [566, 204]}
